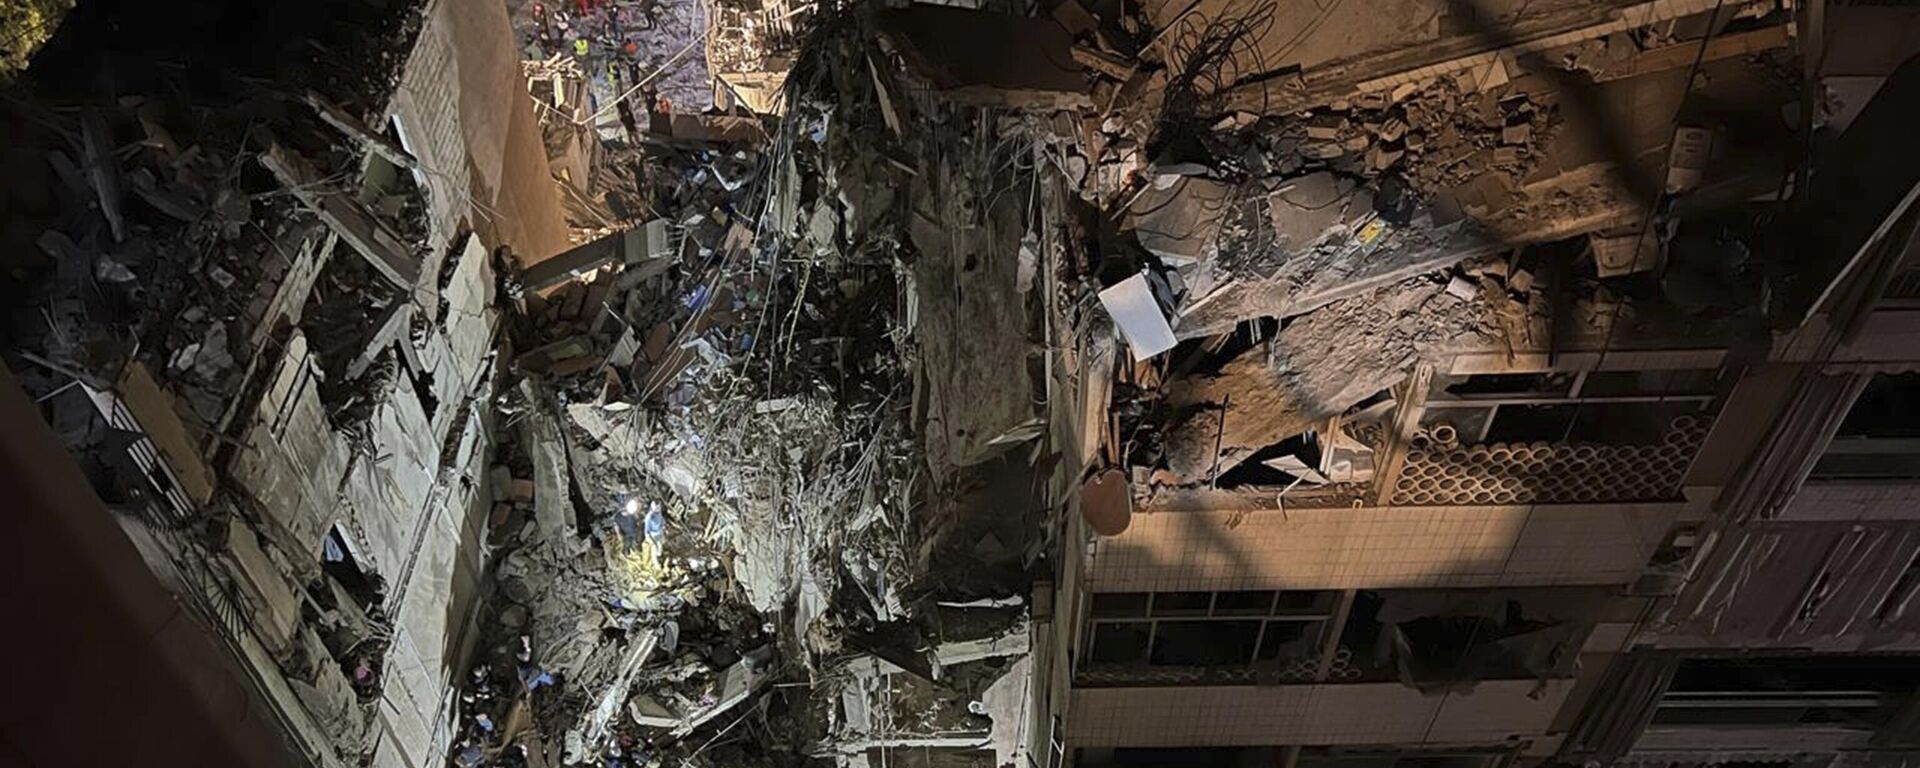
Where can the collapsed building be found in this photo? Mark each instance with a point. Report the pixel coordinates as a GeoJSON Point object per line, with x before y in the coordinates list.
{"type": "Point", "coordinates": [729, 383]}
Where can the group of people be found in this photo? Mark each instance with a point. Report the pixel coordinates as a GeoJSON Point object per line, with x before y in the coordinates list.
{"type": "Point", "coordinates": [601, 36]}
{"type": "Point", "coordinates": [485, 700]}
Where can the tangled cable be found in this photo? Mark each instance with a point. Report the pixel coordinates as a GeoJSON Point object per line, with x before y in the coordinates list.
{"type": "Point", "coordinates": [1205, 58]}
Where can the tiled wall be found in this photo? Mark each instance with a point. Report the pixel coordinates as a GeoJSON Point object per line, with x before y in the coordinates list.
{"type": "Point", "coordinates": [1380, 713]}
{"type": "Point", "coordinates": [1381, 547]}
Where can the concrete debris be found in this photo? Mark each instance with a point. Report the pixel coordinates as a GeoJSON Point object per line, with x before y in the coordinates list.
{"type": "Point", "coordinates": [358, 227]}
{"type": "Point", "coordinates": [1318, 366]}
{"type": "Point", "coordinates": [729, 443]}
{"type": "Point", "coordinates": [103, 171]}
{"type": "Point", "coordinates": [764, 455]}
{"type": "Point", "coordinates": [1179, 220]}
{"type": "Point", "coordinates": [359, 131]}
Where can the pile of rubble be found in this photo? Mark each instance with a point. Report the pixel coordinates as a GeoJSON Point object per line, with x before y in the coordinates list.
{"type": "Point", "coordinates": [720, 512]}
{"type": "Point", "coordinates": [1322, 243]}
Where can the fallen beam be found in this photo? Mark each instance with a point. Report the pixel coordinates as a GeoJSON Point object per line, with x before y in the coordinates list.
{"type": "Point", "coordinates": [373, 239]}
{"type": "Point", "coordinates": [648, 241]}
{"type": "Point", "coordinates": [376, 142]}
{"type": "Point", "coordinates": [392, 327]}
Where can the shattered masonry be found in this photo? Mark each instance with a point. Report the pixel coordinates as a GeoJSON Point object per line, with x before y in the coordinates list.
{"type": "Point", "coordinates": [599, 382]}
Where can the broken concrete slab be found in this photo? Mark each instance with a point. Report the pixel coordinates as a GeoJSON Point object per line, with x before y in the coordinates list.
{"type": "Point", "coordinates": [1013, 643]}
{"type": "Point", "coordinates": [1074, 18]}
{"type": "Point", "coordinates": [1179, 222]}
{"type": "Point", "coordinates": [548, 358]}
{"type": "Point", "coordinates": [1107, 64]}
{"type": "Point", "coordinates": [356, 129]}
{"type": "Point", "coordinates": [610, 699]}
{"type": "Point", "coordinates": [717, 129]}
{"type": "Point", "coordinates": [1326, 127]}
{"type": "Point", "coordinates": [1317, 277]}
{"type": "Point", "coordinates": [736, 684]}
{"type": "Point", "coordinates": [275, 607]}
{"type": "Point", "coordinates": [546, 442]}
{"type": "Point", "coordinates": [165, 200]}
{"type": "Point", "coordinates": [1304, 209]}
{"type": "Point", "coordinates": [390, 328]}
{"type": "Point", "coordinates": [155, 410]}
{"type": "Point", "coordinates": [383, 249]}
{"type": "Point", "coordinates": [648, 712]}
{"type": "Point", "coordinates": [103, 170]}
{"type": "Point", "coordinates": [1321, 364]}
{"type": "Point", "coordinates": [640, 244]}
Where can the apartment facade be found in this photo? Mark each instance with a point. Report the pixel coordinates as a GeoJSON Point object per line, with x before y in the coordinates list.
{"type": "Point", "coordinates": [1457, 611]}
{"type": "Point", "coordinates": [1659, 541]}
{"type": "Point", "coordinates": [1789, 638]}
{"type": "Point", "coordinates": [303, 463]}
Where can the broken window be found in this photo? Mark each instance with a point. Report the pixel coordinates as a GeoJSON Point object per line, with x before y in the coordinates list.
{"type": "Point", "coordinates": [1182, 603]}
{"type": "Point", "coordinates": [1233, 629]}
{"type": "Point", "coordinates": [1204, 643]}
{"type": "Point", "coordinates": [337, 559]}
{"type": "Point", "coordinates": [1444, 639]}
{"type": "Point", "coordinates": [1120, 643]}
{"type": "Point", "coordinates": [1613, 407]}
{"type": "Point", "coordinates": [1114, 605]}
{"type": "Point", "coordinates": [1245, 603]}
{"type": "Point", "coordinates": [1859, 692]}
{"type": "Point", "coordinates": [1880, 437]}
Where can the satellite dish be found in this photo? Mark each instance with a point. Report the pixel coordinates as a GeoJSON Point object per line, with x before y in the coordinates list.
{"type": "Point", "coordinates": [1107, 503]}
